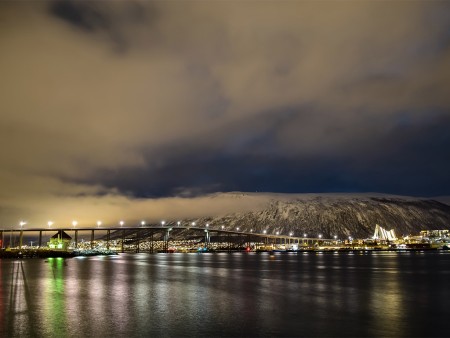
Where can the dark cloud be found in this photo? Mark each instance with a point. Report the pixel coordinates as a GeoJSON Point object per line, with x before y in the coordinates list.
{"type": "Point", "coordinates": [93, 17]}
{"type": "Point", "coordinates": [406, 155]}
{"type": "Point", "coordinates": [80, 14]}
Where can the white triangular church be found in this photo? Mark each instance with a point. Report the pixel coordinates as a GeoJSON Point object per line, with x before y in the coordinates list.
{"type": "Point", "coordinates": [381, 233]}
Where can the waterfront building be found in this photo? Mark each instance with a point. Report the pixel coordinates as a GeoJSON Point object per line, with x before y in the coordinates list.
{"type": "Point", "coordinates": [435, 233]}
{"type": "Point", "coordinates": [60, 241]}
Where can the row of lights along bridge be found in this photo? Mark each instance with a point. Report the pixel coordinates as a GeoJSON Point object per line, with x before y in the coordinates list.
{"type": "Point", "coordinates": [143, 223]}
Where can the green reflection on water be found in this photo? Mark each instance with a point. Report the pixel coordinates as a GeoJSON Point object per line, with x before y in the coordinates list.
{"type": "Point", "coordinates": [55, 301]}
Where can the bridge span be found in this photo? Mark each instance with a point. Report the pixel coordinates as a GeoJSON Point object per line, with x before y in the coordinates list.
{"type": "Point", "coordinates": [151, 233]}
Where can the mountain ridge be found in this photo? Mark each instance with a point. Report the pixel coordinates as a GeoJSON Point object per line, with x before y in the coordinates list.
{"type": "Point", "coordinates": [335, 214]}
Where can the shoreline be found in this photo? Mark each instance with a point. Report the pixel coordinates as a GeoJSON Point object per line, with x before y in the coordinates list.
{"type": "Point", "coordinates": [45, 253]}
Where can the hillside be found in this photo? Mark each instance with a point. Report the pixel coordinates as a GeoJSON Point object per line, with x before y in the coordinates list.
{"type": "Point", "coordinates": [336, 214]}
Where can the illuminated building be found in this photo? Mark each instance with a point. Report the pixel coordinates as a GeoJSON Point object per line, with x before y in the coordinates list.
{"type": "Point", "coordinates": [60, 241]}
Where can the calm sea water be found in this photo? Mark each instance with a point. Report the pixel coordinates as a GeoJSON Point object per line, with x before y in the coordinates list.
{"type": "Point", "coordinates": [240, 294]}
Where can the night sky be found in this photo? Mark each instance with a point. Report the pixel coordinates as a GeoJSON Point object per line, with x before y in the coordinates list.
{"type": "Point", "coordinates": [144, 109]}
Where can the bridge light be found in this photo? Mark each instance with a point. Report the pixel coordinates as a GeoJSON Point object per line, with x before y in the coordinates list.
{"type": "Point", "coordinates": [304, 235]}
{"type": "Point", "coordinates": [320, 235]}
{"type": "Point", "coordinates": [22, 223]}
{"type": "Point", "coordinates": [278, 232]}
{"type": "Point", "coordinates": [290, 234]}
{"type": "Point", "coordinates": [163, 222]}
{"type": "Point", "coordinates": [207, 224]}
{"type": "Point", "coordinates": [99, 223]}
{"type": "Point", "coordinates": [223, 227]}
{"type": "Point", "coordinates": [237, 229]}
{"type": "Point", "coordinates": [74, 223]}
{"type": "Point", "coordinates": [142, 223]}
{"type": "Point", "coordinates": [265, 232]}
{"type": "Point", "coordinates": [49, 223]}
{"type": "Point", "coordinates": [193, 224]}
{"type": "Point", "coordinates": [178, 223]}
{"type": "Point", "coordinates": [121, 223]}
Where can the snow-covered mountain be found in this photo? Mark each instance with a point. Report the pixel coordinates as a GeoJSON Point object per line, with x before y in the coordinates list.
{"type": "Point", "coordinates": [334, 214]}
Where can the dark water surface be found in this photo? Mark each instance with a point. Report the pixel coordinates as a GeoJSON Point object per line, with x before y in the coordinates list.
{"type": "Point", "coordinates": [240, 294]}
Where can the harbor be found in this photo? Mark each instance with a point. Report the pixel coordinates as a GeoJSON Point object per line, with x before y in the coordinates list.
{"type": "Point", "coordinates": [137, 241]}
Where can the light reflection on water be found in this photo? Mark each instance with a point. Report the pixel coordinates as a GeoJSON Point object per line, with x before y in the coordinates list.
{"type": "Point", "coordinates": [241, 294]}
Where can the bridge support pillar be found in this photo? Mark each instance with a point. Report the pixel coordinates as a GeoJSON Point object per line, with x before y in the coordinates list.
{"type": "Point", "coordinates": [92, 239]}
{"type": "Point", "coordinates": [76, 239]}
{"type": "Point", "coordinates": [20, 239]}
{"type": "Point", "coordinates": [40, 238]}
{"type": "Point", "coordinates": [207, 239]}
{"type": "Point", "coordinates": [151, 243]}
{"type": "Point", "coordinates": [138, 240]}
{"type": "Point", "coordinates": [108, 235]}
{"type": "Point", "coordinates": [1, 244]}
{"type": "Point", "coordinates": [166, 240]}
{"type": "Point", "coordinates": [123, 239]}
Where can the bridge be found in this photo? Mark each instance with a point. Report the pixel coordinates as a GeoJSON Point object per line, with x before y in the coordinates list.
{"type": "Point", "coordinates": [149, 233]}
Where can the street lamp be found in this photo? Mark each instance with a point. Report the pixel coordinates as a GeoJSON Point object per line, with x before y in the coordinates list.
{"type": "Point", "coordinates": [49, 223]}
{"type": "Point", "coordinates": [22, 223]}
{"type": "Point", "coordinates": [193, 224]}
{"type": "Point", "coordinates": [290, 234]}
{"type": "Point", "coordinates": [304, 235]}
{"type": "Point", "coordinates": [121, 223]}
{"type": "Point", "coordinates": [320, 235]}
{"type": "Point", "coordinates": [278, 232]}
{"type": "Point", "coordinates": [223, 227]}
{"type": "Point", "coordinates": [178, 223]}
{"type": "Point", "coordinates": [207, 224]}
{"type": "Point", "coordinates": [143, 223]}
{"type": "Point", "coordinates": [162, 223]}
{"type": "Point", "coordinates": [99, 223]}
{"type": "Point", "coordinates": [237, 229]}
{"type": "Point", "coordinates": [74, 223]}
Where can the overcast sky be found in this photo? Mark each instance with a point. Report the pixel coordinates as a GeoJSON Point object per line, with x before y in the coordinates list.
{"type": "Point", "coordinates": [142, 109]}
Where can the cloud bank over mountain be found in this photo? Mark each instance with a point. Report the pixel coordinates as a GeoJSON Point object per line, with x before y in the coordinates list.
{"type": "Point", "coordinates": [136, 108]}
